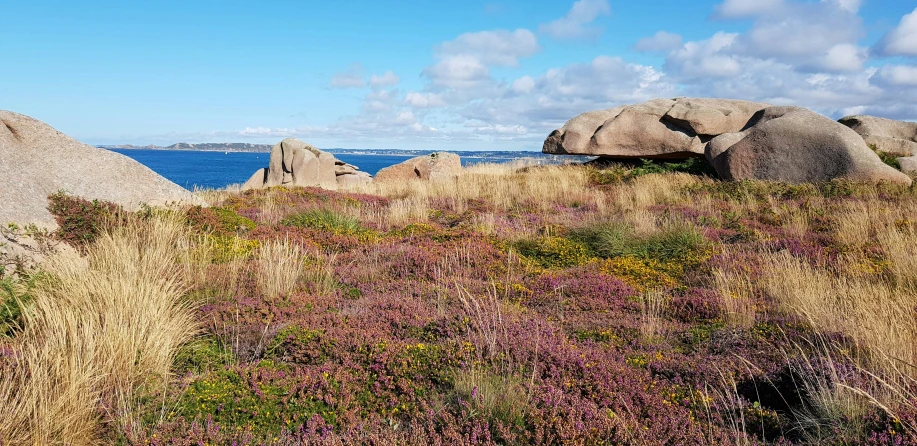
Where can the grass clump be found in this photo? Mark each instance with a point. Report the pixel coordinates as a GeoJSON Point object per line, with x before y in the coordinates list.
{"type": "Point", "coordinates": [610, 240]}
{"type": "Point", "coordinates": [325, 220]}
{"type": "Point", "coordinates": [102, 331]}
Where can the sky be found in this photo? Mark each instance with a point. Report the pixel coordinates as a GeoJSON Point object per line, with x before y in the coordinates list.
{"type": "Point", "coordinates": [443, 74]}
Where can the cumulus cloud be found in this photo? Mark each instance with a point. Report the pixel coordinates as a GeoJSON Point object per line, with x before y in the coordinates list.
{"type": "Point", "coordinates": [465, 62]}
{"type": "Point", "coordinates": [353, 77]}
{"type": "Point", "coordinates": [902, 40]}
{"type": "Point", "coordinates": [896, 76]}
{"type": "Point", "coordinates": [385, 80]}
{"type": "Point", "coordinates": [577, 24]}
{"type": "Point", "coordinates": [812, 37]}
{"type": "Point", "coordinates": [662, 41]}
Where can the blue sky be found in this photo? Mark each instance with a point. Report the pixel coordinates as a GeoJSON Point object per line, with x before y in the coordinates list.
{"type": "Point", "coordinates": [435, 74]}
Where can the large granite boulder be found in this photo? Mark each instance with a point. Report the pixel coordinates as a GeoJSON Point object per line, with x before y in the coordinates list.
{"type": "Point", "coordinates": [897, 138]}
{"type": "Point", "coordinates": [296, 163]}
{"type": "Point", "coordinates": [36, 160]}
{"type": "Point", "coordinates": [658, 129]}
{"type": "Point", "coordinates": [795, 145]}
{"type": "Point", "coordinates": [434, 166]}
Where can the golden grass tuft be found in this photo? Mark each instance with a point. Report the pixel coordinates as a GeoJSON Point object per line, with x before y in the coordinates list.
{"type": "Point", "coordinates": [736, 296]}
{"type": "Point", "coordinates": [280, 267]}
{"type": "Point", "coordinates": [101, 331]}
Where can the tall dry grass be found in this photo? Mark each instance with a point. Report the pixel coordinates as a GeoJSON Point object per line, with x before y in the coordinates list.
{"type": "Point", "coordinates": [736, 297]}
{"type": "Point", "coordinates": [280, 267]}
{"type": "Point", "coordinates": [100, 332]}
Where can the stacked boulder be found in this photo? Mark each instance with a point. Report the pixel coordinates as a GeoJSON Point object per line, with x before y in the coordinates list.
{"type": "Point", "coordinates": [895, 138]}
{"type": "Point", "coordinates": [434, 166]}
{"type": "Point", "coordinates": [741, 139]}
{"type": "Point", "coordinates": [295, 163]}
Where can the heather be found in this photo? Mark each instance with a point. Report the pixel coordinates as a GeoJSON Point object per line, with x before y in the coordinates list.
{"type": "Point", "coordinates": [618, 304]}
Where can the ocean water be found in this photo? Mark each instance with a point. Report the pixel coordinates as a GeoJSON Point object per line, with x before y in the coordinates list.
{"type": "Point", "coordinates": [199, 169]}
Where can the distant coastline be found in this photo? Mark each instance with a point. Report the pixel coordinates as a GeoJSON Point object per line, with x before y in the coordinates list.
{"type": "Point", "coordinates": [266, 148]}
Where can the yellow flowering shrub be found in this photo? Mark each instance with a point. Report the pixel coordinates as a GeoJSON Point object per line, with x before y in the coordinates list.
{"type": "Point", "coordinates": [226, 248]}
{"type": "Point", "coordinates": [642, 273]}
{"type": "Point", "coordinates": [554, 252]}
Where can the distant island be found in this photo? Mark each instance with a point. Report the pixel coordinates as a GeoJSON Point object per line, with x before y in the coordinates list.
{"type": "Point", "coordinates": [266, 148]}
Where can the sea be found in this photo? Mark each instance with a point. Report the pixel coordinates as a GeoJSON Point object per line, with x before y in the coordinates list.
{"type": "Point", "coordinates": [216, 170]}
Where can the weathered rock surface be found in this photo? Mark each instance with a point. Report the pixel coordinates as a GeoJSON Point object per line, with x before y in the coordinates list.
{"type": "Point", "coordinates": [795, 145]}
{"type": "Point", "coordinates": [887, 135]}
{"type": "Point", "coordinates": [36, 160]}
{"type": "Point", "coordinates": [434, 166]}
{"type": "Point", "coordinates": [658, 129]}
{"type": "Point", "coordinates": [296, 163]}
{"type": "Point", "coordinates": [908, 164]}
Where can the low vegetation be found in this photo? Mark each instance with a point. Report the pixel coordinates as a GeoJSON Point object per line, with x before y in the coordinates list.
{"type": "Point", "coordinates": [642, 304]}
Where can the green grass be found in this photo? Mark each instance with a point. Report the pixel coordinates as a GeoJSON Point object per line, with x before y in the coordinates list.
{"type": "Point", "coordinates": [325, 220]}
{"type": "Point", "coordinates": [610, 240]}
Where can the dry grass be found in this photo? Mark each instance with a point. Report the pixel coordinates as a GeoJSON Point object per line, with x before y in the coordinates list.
{"type": "Point", "coordinates": [216, 197]}
{"type": "Point", "coordinates": [652, 322]}
{"type": "Point", "coordinates": [875, 315]}
{"type": "Point", "coordinates": [737, 297]}
{"type": "Point", "coordinates": [100, 332]}
{"type": "Point", "coordinates": [506, 186]}
{"type": "Point", "coordinates": [280, 267]}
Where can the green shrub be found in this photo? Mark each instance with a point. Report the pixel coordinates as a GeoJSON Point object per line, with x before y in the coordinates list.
{"type": "Point", "coordinates": [628, 169]}
{"type": "Point", "coordinates": [887, 158]}
{"type": "Point", "coordinates": [609, 240]}
{"type": "Point", "coordinates": [81, 221]}
{"type": "Point", "coordinates": [239, 402]}
{"type": "Point", "coordinates": [222, 221]}
{"type": "Point", "coordinates": [325, 220]}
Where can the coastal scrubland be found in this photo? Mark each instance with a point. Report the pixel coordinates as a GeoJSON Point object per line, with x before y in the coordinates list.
{"type": "Point", "coordinates": [646, 305]}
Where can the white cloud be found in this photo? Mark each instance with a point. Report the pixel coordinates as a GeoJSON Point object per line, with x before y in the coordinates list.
{"type": "Point", "coordinates": [902, 40]}
{"type": "Point", "coordinates": [465, 62]}
{"type": "Point", "coordinates": [662, 41]}
{"type": "Point", "coordinates": [501, 47]}
{"type": "Point", "coordinates": [385, 80]}
{"type": "Point", "coordinates": [897, 76]}
{"type": "Point", "coordinates": [707, 58]}
{"type": "Point", "coordinates": [734, 9]}
{"type": "Point", "coordinates": [351, 78]}
{"type": "Point", "coordinates": [577, 23]}
{"type": "Point", "coordinates": [844, 57]}
{"type": "Point", "coordinates": [424, 100]}
{"type": "Point", "coordinates": [523, 85]}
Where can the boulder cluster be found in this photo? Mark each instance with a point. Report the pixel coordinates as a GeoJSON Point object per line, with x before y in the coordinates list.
{"type": "Point", "coordinates": [742, 140]}
{"type": "Point", "coordinates": [295, 163]}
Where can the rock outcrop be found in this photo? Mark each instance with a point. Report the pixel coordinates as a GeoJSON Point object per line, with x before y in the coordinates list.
{"type": "Point", "coordinates": [295, 163]}
{"type": "Point", "coordinates": [434, 166]}
{"type": "Point", "coordinates": [887, 135]}
{"type": "Point", "coordinates": [658, 129]}
{"type": "Point", "coordinates": [36, 160]}
{"type": "Point", "coordinates": [795, 145]}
